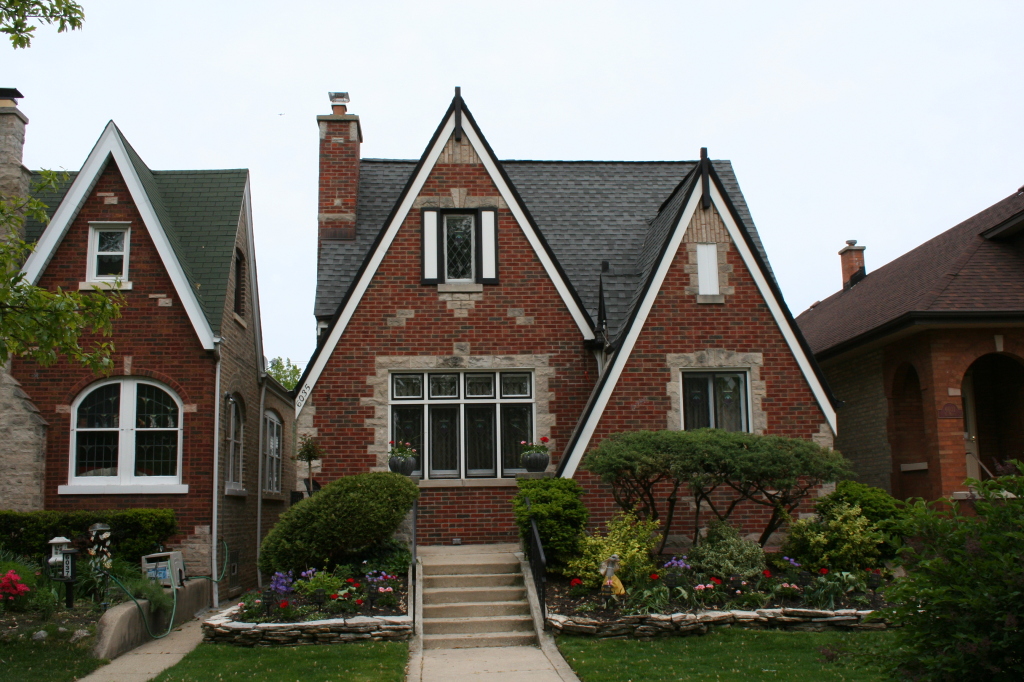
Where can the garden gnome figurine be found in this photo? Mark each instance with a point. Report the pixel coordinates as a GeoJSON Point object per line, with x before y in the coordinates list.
{"type": "Point", "coordinates": [611, 582]}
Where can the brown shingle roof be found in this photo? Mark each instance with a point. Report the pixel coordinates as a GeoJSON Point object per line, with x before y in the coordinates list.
{"type": "Point", "coordinates": [957, 271]}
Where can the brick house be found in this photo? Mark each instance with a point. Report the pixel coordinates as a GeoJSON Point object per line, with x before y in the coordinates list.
{"type": "Point", "coordinates": [187, 418]}
{"type": "Point", "coordinates": [926, 352]}
{"type": "Point", "coordinates": [466, 304]}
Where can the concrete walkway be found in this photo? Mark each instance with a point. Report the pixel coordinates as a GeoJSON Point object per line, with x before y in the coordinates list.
{"type": "Point", "coordinates": [152, 658]}
{"type": "Point", "coordinates": [493, 664]}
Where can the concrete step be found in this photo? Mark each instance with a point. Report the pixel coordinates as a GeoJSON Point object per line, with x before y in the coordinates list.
{"type": "Point", "coordinates": [453, 626]}
{"type": "Point", "coordinates": [449, 595]}
{"type": "Point", "coordinates": [476, 609]}
{"type": "Point", "coordinates": [471, 565]}
{"type": "Point", "coordinates": [467, 641]}
{"type": "Point", "coordinates": [473, 580]}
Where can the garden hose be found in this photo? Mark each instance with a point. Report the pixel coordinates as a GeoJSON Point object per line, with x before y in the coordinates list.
{"type": "Point", "coordinates": [222, 573]}
{"type": "Point", "coordinates": [145, 620]}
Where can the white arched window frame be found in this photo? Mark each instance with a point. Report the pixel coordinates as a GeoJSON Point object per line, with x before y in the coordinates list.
{"type": "Point", "coordinates": [236, 452]}
{"type": "Point", "coordinates": [273, 430]}
{"type": "Point", "coordinates": [126, 438]}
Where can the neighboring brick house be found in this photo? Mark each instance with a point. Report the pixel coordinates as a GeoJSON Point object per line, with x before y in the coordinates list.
{"type": "Point", "coordinates": [926, 352]}
{"type": "Point", "coordinates": [466, 304]}
{"type": "Point", "coordinates": [187, 418]}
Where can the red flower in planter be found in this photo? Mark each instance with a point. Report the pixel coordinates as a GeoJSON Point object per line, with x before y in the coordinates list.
{"type": "Point", "coordinates": [823, 571]}
{"type": "Point", "coordinates": [359, 602]}
{"type": "Point", "coordinates": [717, 581]}
{"type": "Point", "coordinates": [334, 596]}
{"type": "Point", "coordinates": [283, 605]}
{"type": "Point", "coordinates": [575, 582]}
{"type": "Point", "coordinates": [654, 576]}
{"type": "Point", "coordinates": [543, 439]}
{"type": "Point", "coordinates": [767, 573]}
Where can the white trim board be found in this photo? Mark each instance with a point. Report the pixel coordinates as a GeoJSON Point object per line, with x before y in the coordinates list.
{"type": "Point", "coordinates": [110, 145]}
{"type": "Point", "coordinates": [359, 289]}
{"type": "Point", "coordinates": [621, 357]}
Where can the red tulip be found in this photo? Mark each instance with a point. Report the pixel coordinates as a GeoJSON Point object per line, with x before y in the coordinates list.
{"type": "Point", "coordinates": [574, 582]}
{"type": "Point", "coordinates": [823, 571]}
{"type": "Point", "coordinates": [543, 439]}
{"type": "Point", "coordinates": [283, 605]}
{"type": "Point", "coordinates": [767, 573]}
{"type": "Point", "coordinates": [717, 581]}
{"type": "Point", "coordinates": [654, 576]}
{"type": "Point", "coordinates": [359, 602]}
{"type": "Point", "coordinates": [334, 596]}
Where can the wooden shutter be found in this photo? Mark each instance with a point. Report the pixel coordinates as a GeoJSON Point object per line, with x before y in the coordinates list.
{"type": "Point", "coordinates": [431, 246]}
{"type": "Point", "coordinates": [487, 251]}
{"type": "Point", "coordinates": [707, 269]}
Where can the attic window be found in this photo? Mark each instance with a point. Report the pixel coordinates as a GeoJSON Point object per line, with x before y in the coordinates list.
{"type": "Point", "coordinates": [239, 283]}
{"type": "Point", "coordinates": [108, 252]}
{"type": "Point", "coordinates": [460, 246]}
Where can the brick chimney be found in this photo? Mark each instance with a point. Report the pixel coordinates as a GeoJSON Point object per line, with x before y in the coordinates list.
{"type": "Point", "coordinates": [852, 257]}
{"type": "Point", "coordinates": [340, 136]}
{"type": "Point", "coordinates": [14, 177]}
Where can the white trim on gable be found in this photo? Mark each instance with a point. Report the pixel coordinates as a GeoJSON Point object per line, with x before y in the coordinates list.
{"type": "Point", "coordinates": [359, 288]}
{"type": "Point", "coordinates": [111, 145]}
{"type": "Point", "coordinates": [254, 282]}
{"type": "Point", "coordinates": [618, 361]}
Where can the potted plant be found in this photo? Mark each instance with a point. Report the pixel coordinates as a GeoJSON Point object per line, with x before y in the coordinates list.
{"type": "Point", "coordinates": [535, 456]}
{"type": "Point", "coordinates": [402, 458]}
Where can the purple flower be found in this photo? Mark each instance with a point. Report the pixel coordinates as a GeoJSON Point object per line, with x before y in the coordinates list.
{"type": "Point", "coordinates": [282, 582]}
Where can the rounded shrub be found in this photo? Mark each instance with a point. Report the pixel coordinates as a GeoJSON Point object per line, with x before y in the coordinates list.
{"type": "Point", "coordinates": [877, 506]}
{"type": "Point", "coordinates": [842, 539]}
{"type": "Point", "coordinates": [631, 538]}
{"type": "Point", "coordinates": [561, 517]}
{"type": "Point", "coordinates": [723, 553]}
{"type": "Point", "coordinates": [346, 516]}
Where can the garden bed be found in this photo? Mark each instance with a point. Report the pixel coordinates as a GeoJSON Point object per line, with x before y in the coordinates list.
{"type": "Point", "coordinates": [224, 628]}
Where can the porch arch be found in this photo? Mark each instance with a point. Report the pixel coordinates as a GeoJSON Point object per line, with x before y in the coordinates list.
{"type": "Point", "coordinates": [993, 395]}
{"type": "Point", "coordinates": [913, 472]}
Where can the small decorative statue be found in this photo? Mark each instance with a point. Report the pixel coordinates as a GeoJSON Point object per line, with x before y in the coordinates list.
{"type": "Point", "coordinates": [610, 583]}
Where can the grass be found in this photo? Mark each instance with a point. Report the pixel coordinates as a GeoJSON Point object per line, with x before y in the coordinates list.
{"type": "Point", "coordinates": [47, 661]}
{"type": "Point", "coordinates": [723, 654]}
{"type": "Point", "coordinates": [353, 662]}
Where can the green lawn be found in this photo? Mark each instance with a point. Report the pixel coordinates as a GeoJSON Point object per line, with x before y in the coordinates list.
{"type": "Point", "coordinates": [724, 654]}
{"type": "Point", "coordinates": [45, 661]}
{"type": "Point", "coordinates": [354, 662]}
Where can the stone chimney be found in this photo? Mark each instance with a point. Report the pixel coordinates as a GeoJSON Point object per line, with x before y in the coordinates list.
{"type": "Point", "coordinates": [852, 257]}
{"type": "Point", "coordinates": [14, 177]}
{"type": "Point", "coordinates": [340, 136]}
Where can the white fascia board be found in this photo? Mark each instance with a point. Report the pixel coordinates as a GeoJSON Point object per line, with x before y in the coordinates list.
{"type": "Point", "coordinates": [621, 356]}
{"type": "Point", "coordinates": [371, 268]}
{"type": "Point", "coordinates": [776, 309]}
{"type": "Point", "coordinates": [110, 144]}
{"type": "Point", "coordinates": [251, 241]}
{"type": "Point", "coordinates": [582, 321]}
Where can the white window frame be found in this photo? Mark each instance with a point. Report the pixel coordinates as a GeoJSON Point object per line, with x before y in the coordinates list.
{"type": "Point", "coordinates": [747, 395]}
{"type": "Point", "coordinates": [273, 437]}
{"type": "Point", "coordinates": [472, 247]}
{"type": "Point", "coordinates": [125, 482]}
{"type": "Point", "coordinates": [462, 401]}
{"type": "Point", "coordinates": [94, 252]}
{"type": "Point", "coordinates": [234, 480]}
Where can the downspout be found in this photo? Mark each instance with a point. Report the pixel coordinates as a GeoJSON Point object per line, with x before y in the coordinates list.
{"type": "Point", "coordinates": [259, 483]}
{"type": "Point", "coordinates": [216, 474]}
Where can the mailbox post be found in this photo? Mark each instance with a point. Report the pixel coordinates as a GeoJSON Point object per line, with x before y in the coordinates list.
{"type": "Point", "coordinates": [62, 567]}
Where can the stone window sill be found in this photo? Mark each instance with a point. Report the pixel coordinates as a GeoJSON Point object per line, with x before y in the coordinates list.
{"type": "Point", "coordinates": [277, 497]}
{"type": "Point", "coordinates": [114, 489]}
{"type": "Point", "coordinates": [104, 286]}
{"type": "Point", "coordinates": [712, 298]}
{"type": "Point", "coordinates": [238, 318]}
{"type": "Point", "coordinates": [236, 492]}
{"type": "Point", "coordinates": [468, 483]}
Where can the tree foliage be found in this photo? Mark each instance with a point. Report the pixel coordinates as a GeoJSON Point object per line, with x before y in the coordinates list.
{"type": "Point", "coordinates": [44, 325]}
{"type": "Point", "coordinates": [16, 17]}
{"type": "Point", "coordinates": [284, 371]}
{"type": "Point", "coordinates": [646, 469]}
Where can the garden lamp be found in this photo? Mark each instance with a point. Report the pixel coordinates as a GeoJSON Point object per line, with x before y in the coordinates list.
{"type": "Point", "coordinates": [319, 597]}
{"type": "Point", "coordinates": [268, 601]}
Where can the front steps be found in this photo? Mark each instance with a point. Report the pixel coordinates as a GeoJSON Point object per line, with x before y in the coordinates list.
{"type": "Point", "coordinates": [473, 596]}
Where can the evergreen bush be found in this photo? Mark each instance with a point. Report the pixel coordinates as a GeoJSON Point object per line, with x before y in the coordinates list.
{"type": "Point", "coordinates": [561, 517]}
{"type": "Point", "coordinates": [878, 506]}
{"type": "Point", "coordinates": [349, 515]}
{"type": "Point", "coordinates": [841, 538]}
{"type": "Point", "coordinates": [133, 532]}
{"type": "Point", "coordinates": [723, 553]}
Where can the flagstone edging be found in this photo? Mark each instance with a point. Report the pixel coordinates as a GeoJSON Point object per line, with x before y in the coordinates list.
{"type": "Point", "coordinates": [222, 628]}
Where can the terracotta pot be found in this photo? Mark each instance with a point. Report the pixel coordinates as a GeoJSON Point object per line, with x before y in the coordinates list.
{"type": "Point", "coordinates": [536, 462]}
{"type": "Point", "coordinates": [402, 465]}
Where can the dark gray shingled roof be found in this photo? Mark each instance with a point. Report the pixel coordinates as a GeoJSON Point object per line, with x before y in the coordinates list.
{"type": "Point", "coordinates": [199, 211]}
{"type": "Point", "coordinates": [588, 211]}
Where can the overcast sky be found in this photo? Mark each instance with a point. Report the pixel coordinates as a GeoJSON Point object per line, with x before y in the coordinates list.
{"type": "Point", "coordinates": [884, 122]}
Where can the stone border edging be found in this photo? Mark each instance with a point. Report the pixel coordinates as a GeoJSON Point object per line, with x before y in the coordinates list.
{"type": "Point", "coordinates": [658, 625]}
{"type": "Point", "coordinates": [221, 628]}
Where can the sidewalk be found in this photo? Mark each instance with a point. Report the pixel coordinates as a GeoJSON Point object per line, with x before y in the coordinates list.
{"type": "Point", "coordinates": [493, 664]}
{"type": "Point", "coordinates": [147, 661]}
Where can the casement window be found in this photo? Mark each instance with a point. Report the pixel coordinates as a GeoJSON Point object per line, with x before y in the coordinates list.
{"type": "Point", "coordinates": [235, 425]}
{"type": "Point", "coordinates": [108, 252]}
{"type": "Point", "coordinates": [272, 430]}
{"type": "Point", "coordinates": [460, 246]}
{"type": "Point", "coordinates": [707, 270]}
{"type": "Point", "coordinates": [715, 400]}
{"type": "Point", "coordinates": [463, 424]}
{"type": "Point", "coordinates": [125, 433]}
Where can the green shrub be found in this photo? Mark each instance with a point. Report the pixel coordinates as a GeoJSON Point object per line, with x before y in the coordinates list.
{"type": "Point", "coordinates": [631, 538]}
{"type": "Point", "coordinates": [561, 517]}
{"type": "Point", "coordinates": [961, 604]}
{"type": "Point", "coordinates": [391, 556]}
{"type": "Point", "coordinates": [878, 506]}
{"type": "Point", "coordinates": [346, 516]}
{"type": "Point", "coordinates": [843, 539]}
{"type": "Point", "coordinates": [723, 553]}
{"type": "Point", "coordinates": [133, 532]}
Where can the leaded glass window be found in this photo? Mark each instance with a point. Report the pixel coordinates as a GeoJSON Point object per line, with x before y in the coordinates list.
{"type": "Point", "coordinates": [458, 248]}
{"type": "Point", "coordinates": [272, 444]}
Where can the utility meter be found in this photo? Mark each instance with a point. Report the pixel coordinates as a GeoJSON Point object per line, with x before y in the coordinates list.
{"type": "Point", "coordinates": [166, 568]}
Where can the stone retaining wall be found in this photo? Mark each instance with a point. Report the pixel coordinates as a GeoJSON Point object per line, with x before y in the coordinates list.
{"type": "Point", "coordinates": [221, 628]}
{"type": "Point", "coordinates": [660, 625]}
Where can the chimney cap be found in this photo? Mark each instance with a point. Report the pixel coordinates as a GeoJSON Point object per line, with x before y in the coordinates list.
{"type": "Point", "coordinates": [10, 93]}
{"type": "Point", "coordinates": [338, 97]}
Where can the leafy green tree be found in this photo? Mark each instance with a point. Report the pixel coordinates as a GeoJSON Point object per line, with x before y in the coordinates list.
{"type": "Point", "coordinates": [16, 17]}
{"type": "Point", "coordinates": [44, 325]}
{"type": "Point", "coordinates": [285, 372]}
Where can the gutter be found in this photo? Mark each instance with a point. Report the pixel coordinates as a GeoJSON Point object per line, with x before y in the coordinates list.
{"type": "Point", "coordinates": [259, 482]}
{"type": "Point", "coordinates": [216, 474]}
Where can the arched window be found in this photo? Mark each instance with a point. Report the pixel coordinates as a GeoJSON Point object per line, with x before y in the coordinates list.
{"type": "Point", "coordinates": [125, 433]}
{"type": "Point", "coordinates": [272, 444]}
{"type": "Point", "coordinates": [235, 426]}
